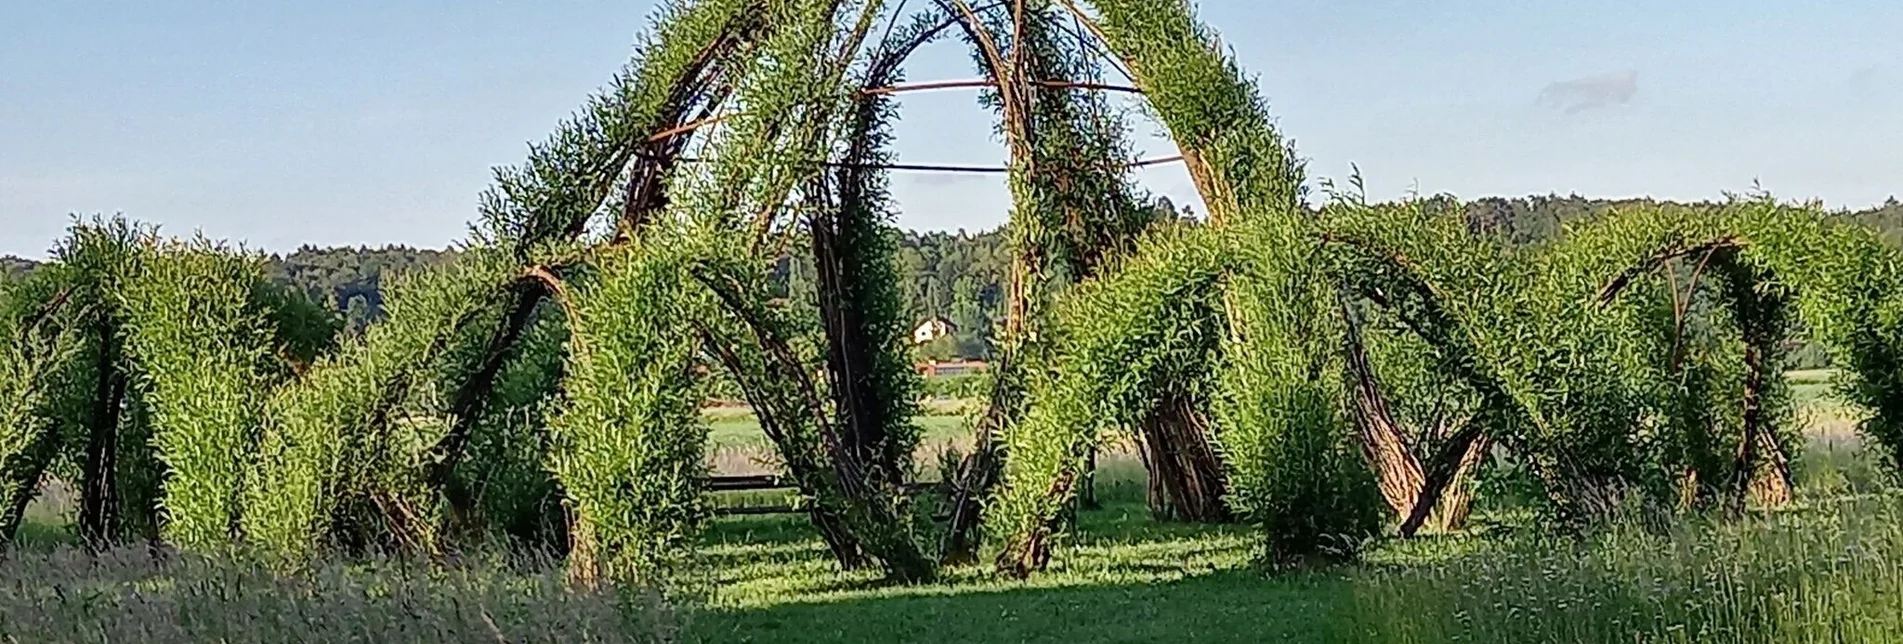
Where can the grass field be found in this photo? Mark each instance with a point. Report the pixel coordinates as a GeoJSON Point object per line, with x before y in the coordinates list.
{"type": "Point", "coordinates": [735, 444]}
{"type": "Point", "coordinates": [1828, 570]}
{"type": "Point", "coordinates": [1829, 573]}
{"type": "Point", "coordinates": [1824, 573]}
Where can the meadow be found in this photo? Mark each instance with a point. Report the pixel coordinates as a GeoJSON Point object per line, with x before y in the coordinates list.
{"type": "Point", "coordinates": [1827, 569]}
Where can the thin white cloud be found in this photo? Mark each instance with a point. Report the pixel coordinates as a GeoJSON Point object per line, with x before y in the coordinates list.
{"type": "Point", "coordinates": [1581, 94]}
{"type": "Point", "coordinates": [1871, 82]}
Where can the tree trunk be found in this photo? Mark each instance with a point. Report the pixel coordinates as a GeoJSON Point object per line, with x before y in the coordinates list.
{"type": "Point", "coordinates": [1397, 472]}
{"type": "Point", "coordinates": [1087, 495]}
{"type": "Point", "coordinates": [1153, 493]}
{"type": "Point", "coordinates": [1456, 501]}
{"type": "Point", "coordinates": [1444, 498]}
{"type": "Point", "coordinates": [1187, 482]}
{"type": "Point", "coordinates": [976, 476]}
{"type": "Point", "coordinates": [1032, 552]}
{"type": "Point", "coordinates": [1760, 470]}
{"type": "Point", "coordinates": [99, 503]}
{"type": "Point", "coordinates": [471, 402]}
{"type": "Point", "coordinates": [980, 471]}
{"type": "Point", "coordinates": [844, 243]}
{"type": "Point", "coordinates": [1436, 494]}
{"type": "Point", "coordinates": [1771, 486]}
{"type": "Point", "coordinates": [839, 540]}
{"type": "Point", "coordinates": [1744, 465]}
{"type": "Point", "coordinates": [584, 553]}
{"type": "Point", "coordinates": [20, 478]}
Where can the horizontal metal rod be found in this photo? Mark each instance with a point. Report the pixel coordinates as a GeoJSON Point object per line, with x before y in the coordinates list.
{"type": "Point", "coordinates": [980, 82]}
{"type": "Point", "coordinates": [962, 169]}
{"type": "Point", "coordinates": [900, 89]}
{"type": "Point", "coordinates": [689, 127]}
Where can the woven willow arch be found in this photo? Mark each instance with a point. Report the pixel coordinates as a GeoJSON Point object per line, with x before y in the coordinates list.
{"type": "Point", "coordinates": [1774, 265]}
{"type": "Point", "coordinates": [1416, 477]}
{"type": "Point", "coordinates": [337, 445]}
{"type": "Point", "coordinates": [1566, 363]}
{"type": "Point", "coordinates": [789, 105]}
{"type": "Point", "coordinates": [363, 447]}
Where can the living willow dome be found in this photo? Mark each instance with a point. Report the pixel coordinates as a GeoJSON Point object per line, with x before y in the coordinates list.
{"type": "Point", "coordinates": [1316, 374]}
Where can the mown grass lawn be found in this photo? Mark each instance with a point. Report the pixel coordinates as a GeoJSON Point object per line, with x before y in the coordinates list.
{"type": "Point", "coordinates": [1125, 579]}
{"type": "Point", "coordinates": [736, 428]}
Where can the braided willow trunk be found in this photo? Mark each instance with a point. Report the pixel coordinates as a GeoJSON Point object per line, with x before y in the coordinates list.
{"type": "Point", "coordinates": [676, 82]}
{"type": "Point", "coordinates": [36, 353]}
{"type": "Point", "coordinates": [98, 501]}
{"type": "Point", "coordinates": [1772, 486]}
{"type": "Point", "coordinates": [1073, 211]}
{"type": "Point", "coordinates": [1186, 480]}
{"type": "Point", "coordinates": [1761, 470]}
{"type": "Point", "coordinates": [1436, 494]}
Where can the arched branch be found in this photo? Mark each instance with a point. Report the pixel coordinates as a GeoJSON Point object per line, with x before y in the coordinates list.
{"type": "Point", "coordinates": [1759, 459]}
{"type": "Point", "coordinates": [691, 88]}
{"type": "Point", "coordinates": [1613, 287]}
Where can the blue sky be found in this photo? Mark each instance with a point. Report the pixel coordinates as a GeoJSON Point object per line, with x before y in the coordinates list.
{"type": "Point", "coordinates": [362, 122]}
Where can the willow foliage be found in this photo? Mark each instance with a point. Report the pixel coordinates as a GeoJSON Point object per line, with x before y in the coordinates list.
{"type": "Point", "coordinates": [338, 434]}
{"type": "Point", "coordinates": [1240, 163]}
{"type": "Point", "coordinates": [169, 347]}
{"type": "Point", "coordinates": [1123, 340]}
{"type": "Point", "coordinates": [202, 353]}
{"type": "Point", "coordinates": [627, 445]}
{"type": "Point", "coordinates": [1295, 468]}
{"type": "Point", "coordinates": [550, 198]}
{"type": "Point", "coordinates": [31, 361]}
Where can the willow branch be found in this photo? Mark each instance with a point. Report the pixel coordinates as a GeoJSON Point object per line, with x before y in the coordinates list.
{"type": "Point", "coordinates": [1619, 282]}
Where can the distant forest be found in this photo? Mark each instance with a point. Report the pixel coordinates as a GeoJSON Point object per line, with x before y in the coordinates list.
{"type": "Point", "coordinates": [959, 276]}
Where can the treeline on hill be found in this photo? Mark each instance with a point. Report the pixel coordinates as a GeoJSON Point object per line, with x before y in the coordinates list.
{"type": "Point", "coordinates": [960, 276]}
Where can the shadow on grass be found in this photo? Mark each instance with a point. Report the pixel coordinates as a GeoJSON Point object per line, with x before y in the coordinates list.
{"type": "Point", "coordinates": [1124, 578]}
{"type": "Point", "coordinates": [1227, 606]}
{"type": "Point", "coordinates": [44, 536]}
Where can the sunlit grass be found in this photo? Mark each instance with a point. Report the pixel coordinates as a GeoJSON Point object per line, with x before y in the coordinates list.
{"type": "Point", "coordinates": [1832, 573]}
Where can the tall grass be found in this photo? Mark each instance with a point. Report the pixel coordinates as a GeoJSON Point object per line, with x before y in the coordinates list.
{"type": "Point", "coordinates": [140, 596]}
{"type": "Point", "coordinates": [1832, 573]}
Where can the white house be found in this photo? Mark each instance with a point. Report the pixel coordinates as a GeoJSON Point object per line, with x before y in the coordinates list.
{"type": "Point", "coordinates": [932, 329]}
